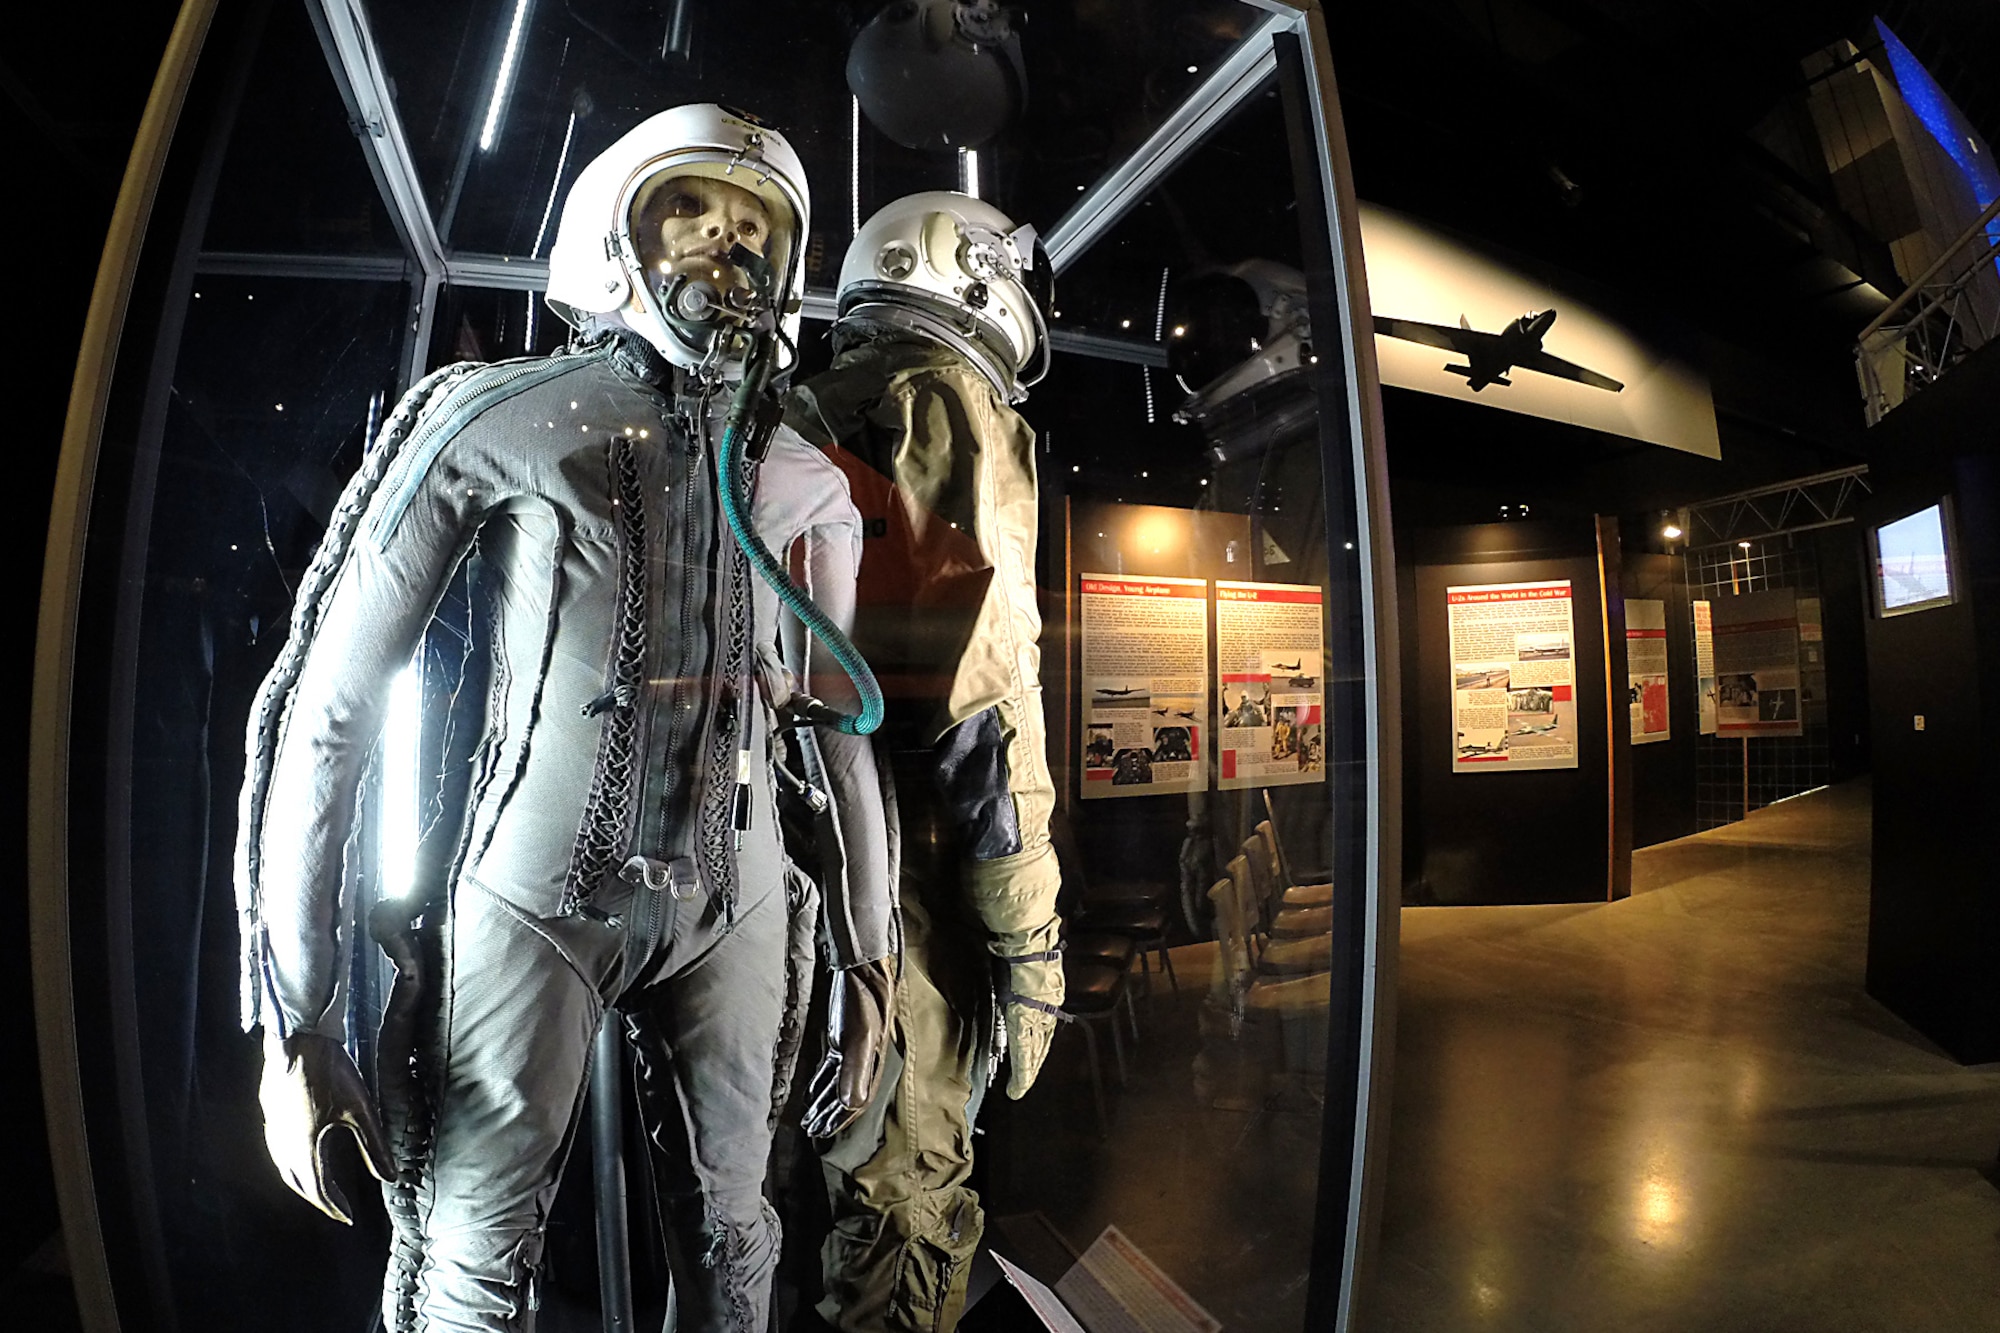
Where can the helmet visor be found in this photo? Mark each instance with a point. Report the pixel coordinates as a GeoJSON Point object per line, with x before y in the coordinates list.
{"type": "Point", "coordinates": [711, 236]}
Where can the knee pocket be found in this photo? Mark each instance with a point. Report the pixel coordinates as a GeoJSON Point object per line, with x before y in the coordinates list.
{"type": "Point", "coordinates": [933, 1263]}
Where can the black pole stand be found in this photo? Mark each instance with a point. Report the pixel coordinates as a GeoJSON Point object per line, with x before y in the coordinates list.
{"type": "Point", "coordinates": [607, 1138]}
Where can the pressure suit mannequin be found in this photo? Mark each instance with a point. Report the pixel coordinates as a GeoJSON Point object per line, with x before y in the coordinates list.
{"type": "Point", "coordinates": [937, 335]}
{"type": "Point", "coordinates": [621, 843]}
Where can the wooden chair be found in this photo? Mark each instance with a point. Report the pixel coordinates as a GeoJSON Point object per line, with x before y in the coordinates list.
{"type": "Point", "coordinates": [1278, 956]}
{"type": "Point", "coordinates": [1302, 887]}
{"type": "Point", "coordinates": [1304, 994]}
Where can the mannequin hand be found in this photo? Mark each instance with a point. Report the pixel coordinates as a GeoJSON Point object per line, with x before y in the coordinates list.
{"type": "Point", "coordinates": [1030, 1027]}
{"type": "Point", "coordinates": [311, 1088]}
{"type": "Point", "coordinates": [857, 1032]}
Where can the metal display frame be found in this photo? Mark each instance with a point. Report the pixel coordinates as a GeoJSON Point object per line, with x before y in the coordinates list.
{"type": "Point", "coordinates": [1354, 1164]}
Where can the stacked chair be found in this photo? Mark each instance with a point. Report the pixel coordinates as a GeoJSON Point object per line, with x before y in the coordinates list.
{"type": "Point", "coordinates": [1136, 909]}
{"type": "Point", "coordinates": [1275, 940]}
{"type": "Point", "coordinates": [1101, 938]}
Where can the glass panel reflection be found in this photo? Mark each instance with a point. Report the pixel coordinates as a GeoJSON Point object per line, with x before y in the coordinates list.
{"type": "Point", "coordinates": [275, 388]}
{"type": "Point", "coordinates": [293, 180]}
{"type": "Point", "coordinates": [1165, 513]}
{"type": "Point", "coordinates": [1211, 1048]}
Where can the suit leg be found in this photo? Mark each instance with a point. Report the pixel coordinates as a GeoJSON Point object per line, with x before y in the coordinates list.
{"type": "Point", "coordinates": [510, 1053]}
{"type": "Point", "coordinates": [707, 1040]}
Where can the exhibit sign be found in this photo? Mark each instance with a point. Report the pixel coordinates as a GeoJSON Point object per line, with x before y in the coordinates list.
{"type": "Point", "coordinates": [1646, 669]}
{"type": "Point", "coordinates": [1115, 1287]}
{"type": "Point", "coordinates": [1513, 694]}
{"type": "Point", "coordinates": [1704, 667]}
{"type": "Point", "coordinates": [1270, 655]}
{"type": "Point", "coordinates": [1757, 664]}
{"type": "Point", "coordinates": [1145, 684]}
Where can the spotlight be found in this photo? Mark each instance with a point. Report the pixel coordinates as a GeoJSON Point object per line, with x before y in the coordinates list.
{"type": "Point", "coordinates": [1672, 532]}
{"type": "Point", "coordinates": [1744, 545]}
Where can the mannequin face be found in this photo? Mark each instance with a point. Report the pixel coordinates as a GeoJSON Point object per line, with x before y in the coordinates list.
{"type": "Point", "coordinates": [688, 225]}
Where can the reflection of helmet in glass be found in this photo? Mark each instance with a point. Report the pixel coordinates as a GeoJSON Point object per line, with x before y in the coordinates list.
{"type": "Point", "coordinates": [938, 74]}
{"type": "Point", "coordinates": [1238, 328]}
{"type": "Point", "coordinates": [595, 266]}
{"type": "Point", "coordinates": [957, 269]}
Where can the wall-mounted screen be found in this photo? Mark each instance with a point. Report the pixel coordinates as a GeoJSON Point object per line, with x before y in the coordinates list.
{"type": "Point", "coordinates": [1913, 563]}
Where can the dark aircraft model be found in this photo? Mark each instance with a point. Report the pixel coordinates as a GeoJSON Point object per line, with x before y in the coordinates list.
{"type": "Point", "coordinates": [1492, 355]}
{"type": "Point", "coordinates": [1286, 666]}
{"type": "Point", "coordinates": [1188, 716]}
{"type": "Point", "coordinates": [1118, 694]}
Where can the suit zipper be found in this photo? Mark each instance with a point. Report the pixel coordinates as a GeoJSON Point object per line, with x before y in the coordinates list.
{"type": "Point", "coordinates": [678, 706]}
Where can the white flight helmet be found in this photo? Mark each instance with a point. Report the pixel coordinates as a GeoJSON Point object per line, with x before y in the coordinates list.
{"type": "Point", "coordinates": [594, 266]}
{"type": "Point", "coordinates": [956, 268]}
{"type": "Point", "coordinates": [1233, 351]}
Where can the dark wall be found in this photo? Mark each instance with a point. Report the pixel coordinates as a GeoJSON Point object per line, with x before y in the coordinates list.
{"type": "Point", "coordinates": [1934, 908]}
{"type": "Point", "coordinates": [1845, 602]}
{"type": "Point", "coordinates": [1663, 772]}
{"type": "Point", "coordinates": [1531, 837]}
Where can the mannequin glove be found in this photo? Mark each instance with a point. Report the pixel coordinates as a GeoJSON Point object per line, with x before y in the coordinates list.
{"type": "Point", "coordinates": [1031, 997]}
{"type": "Point", "coordinates": [310, 1089]}
{"type": "Point", "coordinates": [858, 1029]}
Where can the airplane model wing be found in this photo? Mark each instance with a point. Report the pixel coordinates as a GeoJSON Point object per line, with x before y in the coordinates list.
{"type": "Point", "coordinates": [1569, 370]}
{"type": "Point", "coordinates": [1433, 335]}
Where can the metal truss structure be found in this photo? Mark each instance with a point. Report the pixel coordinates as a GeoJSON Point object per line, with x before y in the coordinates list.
{"type": "Point", "coordinates": [1951, 310]}
{"type": "Point", "coordinates": [1823, 500]}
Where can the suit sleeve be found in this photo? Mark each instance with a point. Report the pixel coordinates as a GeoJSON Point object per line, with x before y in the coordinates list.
{"type": "Point", "coordinates": [860, 922]}
{"type": "Point", "coordinates": [400, 530]}
{"type": "Point", "coordinates": [972, 457]}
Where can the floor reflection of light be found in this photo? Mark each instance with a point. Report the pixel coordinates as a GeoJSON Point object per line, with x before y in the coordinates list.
{"type": "Point", "coordinates": [1489, 1268]}
{"type": "Point", "coordinates": [1749, 1090]}
{"type": "Point", "coordinates": [1661, 1206]}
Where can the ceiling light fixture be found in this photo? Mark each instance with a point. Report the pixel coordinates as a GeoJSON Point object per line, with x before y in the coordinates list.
{"type": "Point", "coordinates": [503, 83]}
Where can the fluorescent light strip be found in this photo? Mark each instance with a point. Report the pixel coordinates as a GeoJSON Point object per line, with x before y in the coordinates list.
{"type": "Point", "coordinates": [968, 171]}
{"type": "Point", "coordinates": [396, 849]}
{"type": "Point", "coordinates": [505, 81]}
{"type": "Point", "coordinates": [854, 166]}
{"type": "Point", "coordinates": [555, 186]}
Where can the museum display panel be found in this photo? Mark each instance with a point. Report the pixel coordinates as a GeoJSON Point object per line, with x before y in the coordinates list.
{"type": "Point", "coordinates": [333, 202]}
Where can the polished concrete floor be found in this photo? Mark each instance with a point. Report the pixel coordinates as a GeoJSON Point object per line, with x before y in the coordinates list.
{"type": "Point", "coordinates": [1680, 1111]}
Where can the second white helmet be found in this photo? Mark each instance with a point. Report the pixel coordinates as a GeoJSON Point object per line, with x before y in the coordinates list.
{"type": "Point", "coordinates": [964, 271]}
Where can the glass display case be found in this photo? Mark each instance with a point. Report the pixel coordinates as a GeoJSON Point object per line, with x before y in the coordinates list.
{"type": "Point", "coordinates": [330, 200]}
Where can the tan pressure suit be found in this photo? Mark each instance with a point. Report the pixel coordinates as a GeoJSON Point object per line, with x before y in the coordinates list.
{"type": "Point", "coordinates": [943, 472]}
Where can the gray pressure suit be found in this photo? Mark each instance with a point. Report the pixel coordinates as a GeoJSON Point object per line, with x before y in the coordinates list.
{"type": "Point", "coordinates": [633, 656]}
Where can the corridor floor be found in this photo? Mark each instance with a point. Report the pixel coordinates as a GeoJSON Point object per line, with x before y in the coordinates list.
{"type": "Point", "coordinates": [1680, 1111]}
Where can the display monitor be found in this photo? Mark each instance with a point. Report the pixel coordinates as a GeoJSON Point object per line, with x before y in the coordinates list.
{"type": "Point", "coordinates": [1913, 562]}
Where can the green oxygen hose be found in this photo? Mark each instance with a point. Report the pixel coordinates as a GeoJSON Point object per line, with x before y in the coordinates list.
{"type": "Point", "coordinates": [728, 464]}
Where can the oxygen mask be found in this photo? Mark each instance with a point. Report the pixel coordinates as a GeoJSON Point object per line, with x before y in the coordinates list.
{"type": "Point", "coordinates": [702, 293]}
